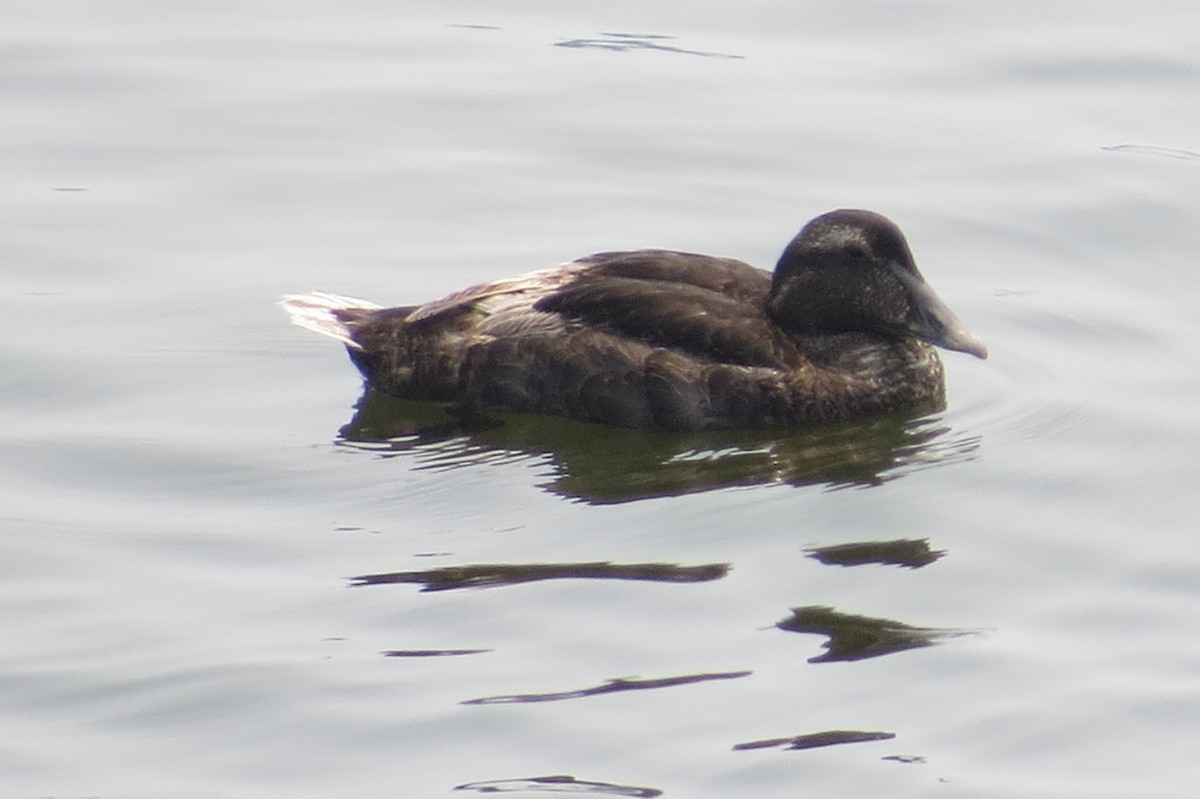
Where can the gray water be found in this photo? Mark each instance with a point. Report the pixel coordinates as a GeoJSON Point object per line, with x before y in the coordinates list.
{"type": "Point", "coordinates": [188, 490]}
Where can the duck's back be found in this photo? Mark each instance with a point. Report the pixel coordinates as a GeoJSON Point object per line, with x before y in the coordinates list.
{"type": "Point", "coordinates": [648, 338]}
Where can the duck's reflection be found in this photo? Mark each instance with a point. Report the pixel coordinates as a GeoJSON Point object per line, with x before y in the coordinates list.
{"type": "Point", "coordinates": [860, 637]}
{"type": "Point", "coordinates": [432, 653]}
{"type": "Point", "coordinates": [613, 686]}
{"type": "Point", "coordinates": [626, 42]}
{"type": "Point", "coordinates": [815, 740]}
{"type": "Point", "coordinates": [600, 464]}
{"type": "Point", "coordinates": [487, 575]}
{"type": "Point", "coordinates": [558, 783]}
{"type": "Point", "coordinates": [911, 553]}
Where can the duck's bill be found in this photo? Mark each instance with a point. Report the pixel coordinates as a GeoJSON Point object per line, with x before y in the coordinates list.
{"type": "Point", "coordinates": [935, 322]}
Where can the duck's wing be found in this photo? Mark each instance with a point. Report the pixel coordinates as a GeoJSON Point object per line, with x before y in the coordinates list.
{"type": "Point", "coordinates": [708, 308]}
{"type": "Point", "coordinates": [727, 276]}
{"type": "Point", "coordinates": [488, 298]}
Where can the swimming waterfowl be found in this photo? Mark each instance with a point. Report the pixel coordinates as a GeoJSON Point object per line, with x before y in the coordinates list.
{"type": "Point", "coordinates": [844, 328]}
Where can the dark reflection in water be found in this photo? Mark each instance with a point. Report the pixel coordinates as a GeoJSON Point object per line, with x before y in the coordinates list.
{"type": "Point", "coordinates": [625, 42]}
{"type": "Point", "coordinates": [559, 783]}
{"type": "Point", "coordinates": [610, 687]}
{"type": "Point", "coordinates": [907, 552]}
{"type": "Point", "coordinates": [487, 575]}
{"type": "Point", "coordinates": [1150, 149]}
{"type": "Point", "coordinates": [814, 740]}
{"type": "Point", "coordinates": [431, 653]}
{"type": "Point", "coordinates": [861, 637]}
{"type": "Point", "coordinates": [600, 464]}
{"type": "Point", "coordinates": [904, 758]}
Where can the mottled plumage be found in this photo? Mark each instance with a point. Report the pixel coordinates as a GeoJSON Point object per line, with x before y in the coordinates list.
{"type": "Point", "coordinates": [656, 338]}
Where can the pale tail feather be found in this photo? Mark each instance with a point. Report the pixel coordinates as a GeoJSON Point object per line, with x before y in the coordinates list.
{"type": "Point", "coordinates": [315, 312]}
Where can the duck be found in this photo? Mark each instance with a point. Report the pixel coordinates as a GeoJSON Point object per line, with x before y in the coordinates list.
{"type": "Point", "coordinates": [844, 328]}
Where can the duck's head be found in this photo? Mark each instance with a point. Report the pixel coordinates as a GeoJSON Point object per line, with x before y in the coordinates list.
{"type": "Point", "coordinates": [851, 271]}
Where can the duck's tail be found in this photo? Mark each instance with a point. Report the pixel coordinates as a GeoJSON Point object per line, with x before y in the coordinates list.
{"type": "Point", "coordinates": [327, 314]}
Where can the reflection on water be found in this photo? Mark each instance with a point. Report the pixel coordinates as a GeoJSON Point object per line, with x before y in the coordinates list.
{"type": "Point", "coordinates": [431, 653]}
{"type": "Point", "coordinates": [904, 758]}
{"type": "Point", "coordinates": [617, 685]}
{"type": "Point", "coordinates": [861, 637]}
{"type": "Point", "coordinates": [1149, 149]}
{"type": "Point", "coordinates": [625, 42]}
{"type": "Point", "coordinates": [907, 552]}
{"type": "Point", "coordinates": [487, 575]}
{"type": "Point", "coordinates": [599, 465]}
{"type": "Point", "coordinates": [559, 783]}
{"type": "Point", "coordinates": [818, 739]}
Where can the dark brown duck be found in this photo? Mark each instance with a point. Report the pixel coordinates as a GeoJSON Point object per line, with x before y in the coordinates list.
{"type": "Point", "coordinates": [844, 329]}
